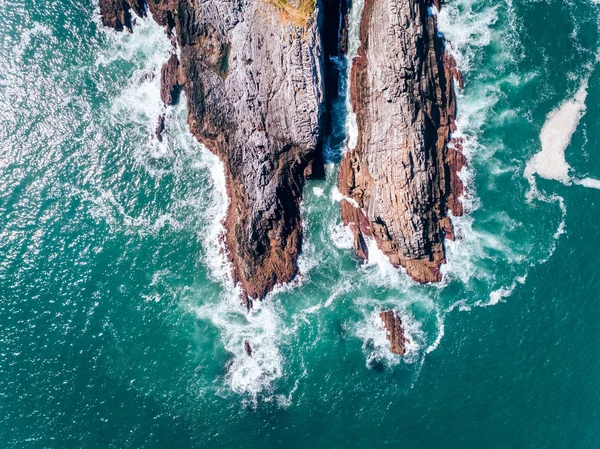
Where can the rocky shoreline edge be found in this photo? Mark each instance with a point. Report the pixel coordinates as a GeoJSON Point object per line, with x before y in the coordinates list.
{"type": "Point", "coordinates": [258, 84]}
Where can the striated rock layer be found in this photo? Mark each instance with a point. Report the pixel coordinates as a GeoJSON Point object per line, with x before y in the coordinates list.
{"type": "Point", "coordinates": [392, 323]}
{"type": "Point", "coordinates": [252, 72]}
{"type": "Point", "coordinates": [401, 178]}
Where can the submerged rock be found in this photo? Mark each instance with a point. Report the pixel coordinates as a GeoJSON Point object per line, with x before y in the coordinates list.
{"type": "Point", "coordinates": [401, 177]}
{"type": "Point", "coordinates": [395, 331]}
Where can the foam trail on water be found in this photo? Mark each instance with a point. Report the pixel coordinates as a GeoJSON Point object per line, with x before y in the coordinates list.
{"type": "Point", "coordinates": [590, 183]}
{"type": "Point", "coordinates": [556, 134]}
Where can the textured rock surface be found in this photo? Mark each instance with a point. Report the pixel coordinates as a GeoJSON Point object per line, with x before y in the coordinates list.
{"type": "Point", "coordinates": [395, 331]}
{"type": "Point", "coordinates": [170, 81]}
{"type": "Point", "coordinates": [117, 13]}
{"type": "Point", "coordinates": [254, 83]}
{"type": "Point", "coordinates": [247, 348]}
{"type": "Point", "coordinates": [401, 177]}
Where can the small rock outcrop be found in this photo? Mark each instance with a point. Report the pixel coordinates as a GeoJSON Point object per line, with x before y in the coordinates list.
{"type": "Point", "coordinates": [160, 128]}
{"type": "Point", "coordinates": [395, 331]}
{"type": "Point", "coordinates": [401, 178]}
{"type": "Point", "coordinates": [252, 72]}
{"type": "Point", "coordinates": [117, 13]}
{"type": "Point", "coordinates": [247, 348]}
{"type": "Point", "coordinates": [170, 81]}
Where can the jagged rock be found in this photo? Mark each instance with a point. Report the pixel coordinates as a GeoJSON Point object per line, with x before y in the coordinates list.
{"type": "Point", "coordinates": [117, 13]}
{"type": "Point", "coordinates": [395, 331]}
{"type": "Point", "coordinates": [160, 128]}
{"type": "Point", "coordinates": [253, 74]}
{"type": "Point", "coordinates": [170, 85]}
{"type": "Point", "coordinates": [401, 177]}
{"type": "Point", "coordinates": [247, 348]}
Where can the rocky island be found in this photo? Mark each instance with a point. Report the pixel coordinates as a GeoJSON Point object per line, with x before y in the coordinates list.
{"type": "Point", "coordinates": [400, 179]}
{"type": "Point", "coordinates": [255, 76]}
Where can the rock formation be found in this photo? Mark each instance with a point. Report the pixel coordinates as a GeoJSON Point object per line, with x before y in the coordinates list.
{"type": "Point", "coordinates": [395, 331]}
{"type": "Point", "coordinates": [252, 72]}
{"type": "Point", "coordinates": [160, 128]}
{"type": "Point", "coordinates": [117, 13]}
{"type": "Point", "coordinates": [247, 348]}
{"type": "Point", "coordinates": [401, 178]}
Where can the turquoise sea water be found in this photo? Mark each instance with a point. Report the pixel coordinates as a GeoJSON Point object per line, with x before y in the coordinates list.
{"type": "Point", "coordinates": [119, 327]}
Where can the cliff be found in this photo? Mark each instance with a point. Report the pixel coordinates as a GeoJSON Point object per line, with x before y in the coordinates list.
{"type": "Point", "coordinates": [252, 72]}
{"type": "Point", "coordinates": [401, 178]}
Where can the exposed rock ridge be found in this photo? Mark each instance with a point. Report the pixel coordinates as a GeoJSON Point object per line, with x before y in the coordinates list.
{"type": "Point", "coordinates": [255, 90]}
{"type": "Point", "coordinates": [392, 323]}
{"type": "Point", "coordinates": [401, 178]}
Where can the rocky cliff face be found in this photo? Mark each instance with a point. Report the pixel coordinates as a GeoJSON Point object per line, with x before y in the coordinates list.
{"type": "Point", "coordinates": [252, 72]}
{"type": "Point", "coordinates": [401, 177]}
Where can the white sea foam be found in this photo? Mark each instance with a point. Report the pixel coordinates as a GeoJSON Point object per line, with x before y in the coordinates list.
{"type": "Point", "coordinates": [26, 36]}
{"type": "Point", "coordinates": [262, 328]}
{"type": "Point", "coordinates": [380, 271]}
{"type": "Point", "coordinates": [215, 253]}
{"type": "Point", "coordinates": [561, 123]}
{"type": "Point", "coordinates": [590, 183]}
{"type": "Point", "coordinates": [341, 236]}
{"type": "Point", "coordinates": [440, 334]}
{"type": "Point", "coordinates": [318, 191]}
{"type": "Point", "coordinates": [148, 47]}
{"type": "Point", "coordinates": [376, 346]}
{"type": "Point", "coordinates": [466, 29]}
{"type": "Point", "coordinates": [499, 294]}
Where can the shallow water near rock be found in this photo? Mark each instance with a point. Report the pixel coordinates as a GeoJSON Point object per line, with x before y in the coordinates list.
{"type": "Point", "coordinates": [119, 324]}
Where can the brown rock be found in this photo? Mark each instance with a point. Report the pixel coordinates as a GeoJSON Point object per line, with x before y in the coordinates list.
{"type": "Point", "coordinates": [254, 83]}
{"type": "Point", "coordinates": [395, 332]}
{"type": "Point", "coordinates": [247, 348]}
{"type": "Point", "coordinates": [117, 13]}
{"type": "Point", "coordinates": [170, 85]}
{"type": "Point", "coordinates": [160, 127]}
{"type": "Point", "coordinates": [401, 176]}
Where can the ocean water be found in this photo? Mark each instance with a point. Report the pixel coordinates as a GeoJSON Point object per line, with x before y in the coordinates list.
{"type": "Point", "coordinates": [119, 324]}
